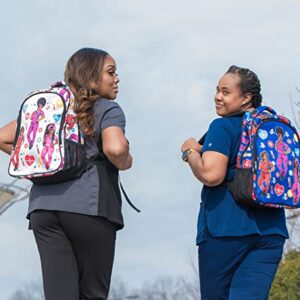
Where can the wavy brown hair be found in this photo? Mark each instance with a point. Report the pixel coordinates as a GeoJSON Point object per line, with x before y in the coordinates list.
{"type": "Point", "coordinates": [83, 74]}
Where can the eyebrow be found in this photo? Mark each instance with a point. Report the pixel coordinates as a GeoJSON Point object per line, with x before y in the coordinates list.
{"type": "Point", "coordinates": [223, 87]}
{"type": "Point", "coordinates": [111, 66]}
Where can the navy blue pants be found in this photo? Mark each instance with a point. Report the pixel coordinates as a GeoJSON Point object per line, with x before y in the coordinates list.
{"type": "Point", "coordinates": [238, 268]}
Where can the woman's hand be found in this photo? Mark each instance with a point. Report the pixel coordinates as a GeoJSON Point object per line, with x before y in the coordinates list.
{"type": "Point", "coordinates": [7, 136]}
{"type": "Point", "coordinates": [191, 143]}
{"type": "Point", "coordinates": [210, 168]}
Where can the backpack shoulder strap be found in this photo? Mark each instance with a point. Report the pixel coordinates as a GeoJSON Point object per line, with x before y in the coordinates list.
{"type": "Point", "coordinates": [259, 110]}
{"type": "Point", "coordinates": [127, 198]}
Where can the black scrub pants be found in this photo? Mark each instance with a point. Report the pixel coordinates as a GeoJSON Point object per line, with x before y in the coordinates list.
{"type": "Point", "coordinates": [76, 252]}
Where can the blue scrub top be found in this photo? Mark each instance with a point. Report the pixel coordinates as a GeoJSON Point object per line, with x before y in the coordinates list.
{"type": "Point", "coordinates": [219, 213]}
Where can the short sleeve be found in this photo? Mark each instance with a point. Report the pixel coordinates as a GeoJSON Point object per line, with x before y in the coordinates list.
{"type": "Point", "coordinates": [113, 115]}
{"type": "Point", "coordinates": [218, 137]}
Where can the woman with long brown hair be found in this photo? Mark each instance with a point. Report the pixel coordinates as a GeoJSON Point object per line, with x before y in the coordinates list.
{"type": "Point", "coordinates": [75, 222]}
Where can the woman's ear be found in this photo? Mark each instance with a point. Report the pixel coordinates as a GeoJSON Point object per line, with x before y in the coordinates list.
{"type": "Point", "coordinates": [247, 100]}
{"type": "Point", "coordinates": [72, 88]}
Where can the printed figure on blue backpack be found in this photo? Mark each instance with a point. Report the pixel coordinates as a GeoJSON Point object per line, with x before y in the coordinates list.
{"type": "Point", "coordinates": [50, 140]}
{"type": "Point", "coordinates": [266, 167]}
{"type": "Point", "coordinates": [283, 149]}
{"type": "Point", "coordinates": [296, 184]}
{"type": "Point", "coordinates": [15, 156]}
{"type": "Point", "coordinates": [35, 118]}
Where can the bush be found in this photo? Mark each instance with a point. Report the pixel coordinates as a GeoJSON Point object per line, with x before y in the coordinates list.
{"type": "Point", "coordinates": [286, 285]}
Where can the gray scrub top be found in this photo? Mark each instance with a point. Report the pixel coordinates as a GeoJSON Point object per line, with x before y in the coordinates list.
{"type": "Point", "coordinates": [81, 195]}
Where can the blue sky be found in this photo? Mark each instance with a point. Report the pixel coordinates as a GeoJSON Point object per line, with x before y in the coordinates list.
{"type": "Point", "coordinates": [170, 55]}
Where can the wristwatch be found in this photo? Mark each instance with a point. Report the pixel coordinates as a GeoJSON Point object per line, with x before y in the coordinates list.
{"type": "Point", "coordinates": [186, 153]}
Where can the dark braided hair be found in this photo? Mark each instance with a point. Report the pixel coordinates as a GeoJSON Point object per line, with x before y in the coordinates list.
{"type": "Point", "coordinates": [249, 83]}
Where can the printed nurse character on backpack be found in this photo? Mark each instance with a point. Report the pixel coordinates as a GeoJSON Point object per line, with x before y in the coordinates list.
{"type": "Point", "coordinates": [15, 157]}
{"type": "Point", "coordinates": [72, 131]}
{"type": "Point", "coordinates": [266, 167]}
{"type": "Point", "coordinates": [296, 184]}
{"type": "Point", "coordinates": [50, 140]}
{"type": "Point", "coordinates": [283, 149]}
{"type": "Point", "coordinates": [35, 118]}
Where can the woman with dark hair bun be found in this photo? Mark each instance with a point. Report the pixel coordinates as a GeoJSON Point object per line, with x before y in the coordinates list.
{"type": "Point", "coordinates": [249, 83]}
{"type": "Point", "coordinates": [239, 246]}
{"type": "Point", "coordinates": [75, 222]}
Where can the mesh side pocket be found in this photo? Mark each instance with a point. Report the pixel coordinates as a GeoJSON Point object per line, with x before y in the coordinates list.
{"type": "Point", "coordinates": [241, 186]}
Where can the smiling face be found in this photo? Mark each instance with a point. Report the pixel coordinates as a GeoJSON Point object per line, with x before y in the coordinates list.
{"type": "Point", "coordinates": [229, 99]}
{"type": "Point", "coordinates": [108, 85]}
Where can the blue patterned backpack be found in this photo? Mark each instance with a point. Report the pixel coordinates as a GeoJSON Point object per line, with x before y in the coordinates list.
{"type": "Point", "coordinates": [48, 146]}
{"type": "Point", "coordinates": [267, 173]}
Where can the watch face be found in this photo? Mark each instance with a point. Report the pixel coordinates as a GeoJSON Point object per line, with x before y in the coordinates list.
{"type": "Point", "coordinates": [185, 154]}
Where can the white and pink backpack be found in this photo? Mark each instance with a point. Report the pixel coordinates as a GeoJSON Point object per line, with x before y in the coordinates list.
{"type": "Point", "coordinates": [49, 146]}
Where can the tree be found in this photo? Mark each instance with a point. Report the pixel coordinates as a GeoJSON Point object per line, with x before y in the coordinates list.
{"type": "Point", "coordinates": [32, 291]}
{"type": "Point", "coordinates": [286, 285]}
{"type": "Point", "coordinates": [168, 288]}
{"type": "Point", "coordinates": [118, 290]}
{"type": "Point", "coordinates": [164, 288]}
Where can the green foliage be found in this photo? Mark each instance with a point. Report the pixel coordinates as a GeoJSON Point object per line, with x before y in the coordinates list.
{"type": "Point", "coordinates": [286, 285]}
